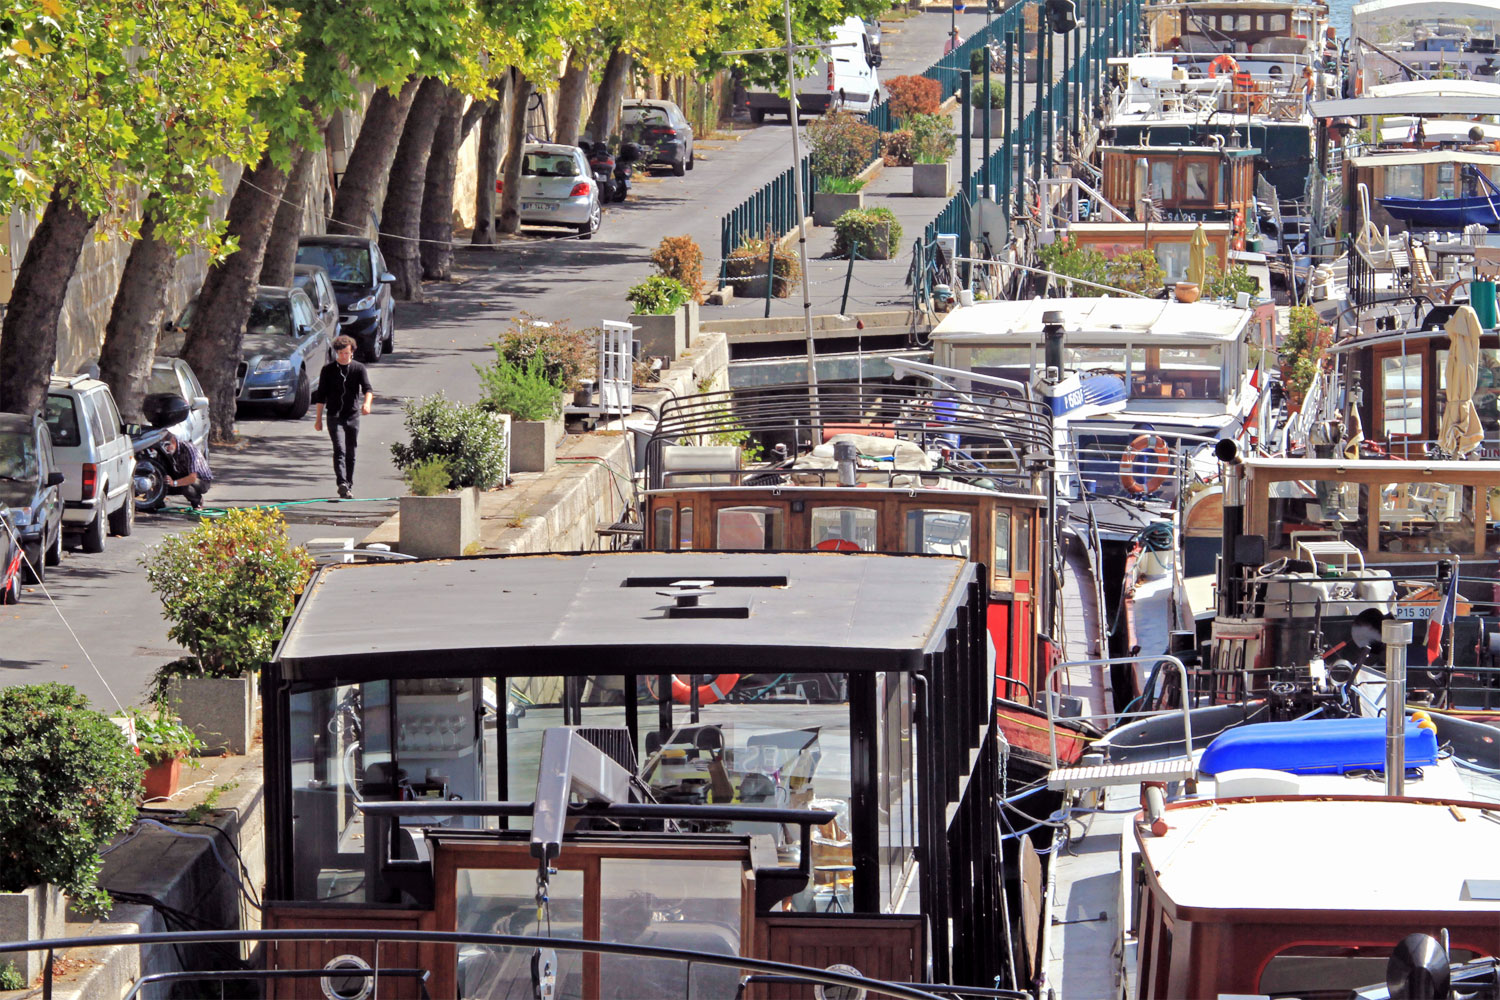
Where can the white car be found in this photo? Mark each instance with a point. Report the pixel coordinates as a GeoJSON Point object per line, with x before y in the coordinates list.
{"type": "Point", "coordinates": [558, 189]}
{"type": "Point", "coordinates": [176, 376]}
{"type": "Point", "coordinates": [97, 459]}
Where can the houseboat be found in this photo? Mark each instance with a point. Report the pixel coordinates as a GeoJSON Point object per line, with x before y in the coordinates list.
{"type": "Point", "coordinates": [1393, 41]}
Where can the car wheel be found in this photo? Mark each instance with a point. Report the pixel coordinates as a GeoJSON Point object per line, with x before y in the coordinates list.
{"type": "Point", "coordinates": [93, 535]}
{"type": "Point", "coordinates": [122, 521]}
{"type": "Point", "coordinates": [679, 168]}
{"type": "Point", "coordinates": [34, 570]}
{"type": "Point", "coordinates": [691, 157]}
{"type": "Point", "coordinates": [12, 592]}
{"type": "Point", "coordinates": [297, 408]}
{"type": "Point", "coordinates": [390, 336]}
{"type": "Point", "coordinates": [587, 230]}
{"type": "Point", "coordinates": [758, 115]}
{"type": "Point", "coordinates": [54, 553]}
{"type": "Point", "coordinates": [150, 485]}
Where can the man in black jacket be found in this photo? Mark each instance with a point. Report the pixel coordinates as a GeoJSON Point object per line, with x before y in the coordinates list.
{"type": "Point", "coordinates": [344, 388]}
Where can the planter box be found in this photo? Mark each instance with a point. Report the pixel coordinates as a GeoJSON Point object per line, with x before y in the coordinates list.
{"type": "Point", "coordinates": [221, 710]}
{"type": "Point", "coordinates": [662, 336]}
{"type": "Point", "coordinates": [30, 915]}
{"type": "Point", "coordinates": [827, 207]}
{"type": "Point", "coordinates": [161, 780]}
{"type": "Point", "coordinates": [690, 321]}
{"type": "Point", "coordinates": [751, 284]}
{"type": "Point", "coordinates": [930, 180]}
{"type": "Point", "coordinates": [442, 526]}
{"type": "Point", "coordinates": [533, 445]}
{"type": "Point", "coordinates": [997, 123]}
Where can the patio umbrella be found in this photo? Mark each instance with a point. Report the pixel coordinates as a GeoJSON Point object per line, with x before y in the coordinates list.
{"type": "Point", "coordinates": [1197, 269]}
{"type": "Point", "coordinates": [1461, 431]}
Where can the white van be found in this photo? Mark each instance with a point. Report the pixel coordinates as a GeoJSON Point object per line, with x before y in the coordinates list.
{"type": "Point", "coordinates": [97, 459]}
{"type": "Point", "coordinates": [845, 78]}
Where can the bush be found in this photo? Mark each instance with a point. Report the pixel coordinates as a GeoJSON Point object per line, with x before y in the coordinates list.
{"type": "Point", "coordinates": [840, 185]}
{"type": "Point", "coordinates": [161, 736]}
{"type": "Point", "coordinates": [681, 258]}
{"type": "Point", "coordinates": [933, 140]}
{"type": "Point", "coordinates": [994, 98]}
{"type": "Point", "coordinates": [898, 147]}
{"type": "Point", "coordinates": [842, 144]}
{"type": "Point", "coordinates": [566, 354]}
{"type": "Point", "coordinates": [11, 978]}
{"type": "Point", "coordinates": [429, 477]}
{"type": "Point", "coordinates": [68, 785]}
{"type": "Point", "coordinates": [1069, 258]}
{"type": "Point", "coordinates": [913, 95]}
{"type": "Point", "coordinates": [469, 436]}
{"type": "Point", "coordinates": [1219, 285]}
{"type": "Point", "coordinates": [1137, 271]}
{"type": "Point", "coordinates": [864, 225]}
{"type": "Point", "coordinates": [524, 392]}
{"type": "Point", "coordinates": [748, 260]}
{"type": "Point", "coordinates": [226, 586]}
{"type": "Point", "coordinates": [658, 295]}
{"type": "Point", "coordinates": [1302, 350]}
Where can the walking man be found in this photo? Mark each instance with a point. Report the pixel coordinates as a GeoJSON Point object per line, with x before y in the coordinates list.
{"type": "Point", "coordinates": [344, 388]}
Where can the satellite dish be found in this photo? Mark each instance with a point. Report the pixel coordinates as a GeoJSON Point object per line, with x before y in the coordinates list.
{"type": "Point", "coordinates": [825, 992]}
{"type": "Point", "coordinates": [1418, 969]}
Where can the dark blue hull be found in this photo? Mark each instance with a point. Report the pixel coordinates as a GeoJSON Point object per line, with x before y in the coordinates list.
{"type": "Point", "coordinates": [1445, 213]}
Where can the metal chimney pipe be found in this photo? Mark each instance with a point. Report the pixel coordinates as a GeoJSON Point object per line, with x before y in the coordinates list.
{"type": "Point", "coordinates": [846, 455]}
{"type": "Point", "coordinates": [1233, 505]}
{"type": "Point", "coordinates": [1052, 332]}
{"type": "Point", "coordinates": [1397, 636]}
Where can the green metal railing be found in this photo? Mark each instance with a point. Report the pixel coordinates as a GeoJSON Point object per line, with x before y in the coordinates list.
{"type": "Point", "coordinates": [772, 209]}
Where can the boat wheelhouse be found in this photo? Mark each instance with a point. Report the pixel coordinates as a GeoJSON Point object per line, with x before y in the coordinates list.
{"type": "Point", "coordinates": [1210, 183]}
{"type": "Point", "coordinates": [410, 786]}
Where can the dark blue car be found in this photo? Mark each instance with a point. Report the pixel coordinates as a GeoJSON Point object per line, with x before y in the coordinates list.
{"type": "Point", "coordinates": [29, 492]}
{"type": "Point", "coordinates": [362, 286]}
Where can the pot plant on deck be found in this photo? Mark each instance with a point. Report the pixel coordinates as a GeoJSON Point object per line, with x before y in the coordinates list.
{"type": "Point", "coordinates": [748, 263]}
{"type": "Point", "coordinates": [933, 144]}
{"type": "Point", "coordinates": [988, 103]}
{"type": "Point", "coordinates": [660, 316]}
{"type": "Point", "coordinates": [873, 233]}
{"type": "Point", "coordinates": [69, 782]}
{"type": "Point", "coordinates": [456, 449]}
{"type": "Point", "coordinates": [226, 587]}
{"type": "Point", "coordinates": [163, 743]}
{"type": "Point", "coordinates": [842, 146]}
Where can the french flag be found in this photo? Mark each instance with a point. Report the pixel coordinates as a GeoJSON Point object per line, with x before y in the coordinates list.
{"type": "Point", "coordinates": [1442, 618]}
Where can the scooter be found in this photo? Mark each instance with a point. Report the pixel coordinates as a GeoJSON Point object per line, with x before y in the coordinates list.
{"type": "Point", "coordinates": [602, 164]}
{"type": "Point", "coordinates": [625, 167]}
{"type": "Point", "coordinates": [163, 410]}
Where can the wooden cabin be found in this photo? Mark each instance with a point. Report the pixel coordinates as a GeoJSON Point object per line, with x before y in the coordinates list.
{"type": "Point", "coordinates": [1414, 173]}
{"type": "Point", "coordinates": [1184, 183]}
{"type": "Point", "coordinates": [1171, 242]}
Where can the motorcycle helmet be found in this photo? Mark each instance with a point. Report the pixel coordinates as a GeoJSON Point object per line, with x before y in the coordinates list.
{"type": "Point", "coordinates": [163, 409]}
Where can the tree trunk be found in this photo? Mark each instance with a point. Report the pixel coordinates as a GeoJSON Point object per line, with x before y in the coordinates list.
{"type": "Point", "coordinates": [213, 342]}
{"type": "Point", "coordinates": [28, 339]}
{"type": "Point", "coordinates": [401, 218]}
{"type": "Point", "coordinates": [570, 97]}
{"type": "Point", "coordinates": [604, 119]}
{"type": "Point", "coordinates": [370, 159]}
{"type": "Point", "coordinates": [135, 317]}
{"type": "Point", "coordinates": [437, 189]}
{"type": "Point", "coordinates": [491, 139]}
{"type": "Point", "coordinates": [471, 116]}
{"type": "Point", "coordinates": [281, 245]}
{"type": "Point", "coordinates": [510, 198]}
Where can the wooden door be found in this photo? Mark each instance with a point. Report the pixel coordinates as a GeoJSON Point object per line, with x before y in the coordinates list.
{"type": "Point", "coordinates": [888, 947]}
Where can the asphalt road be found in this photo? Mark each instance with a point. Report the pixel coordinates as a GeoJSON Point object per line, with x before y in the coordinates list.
{"type": "Point", "coordinates": [102, 631]}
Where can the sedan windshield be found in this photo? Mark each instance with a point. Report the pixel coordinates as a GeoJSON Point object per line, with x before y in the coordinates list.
{"type": "Point", "coordinates": [17, 456]}
{"type": "Point", "coordinates": [549, 165]}
{"type": "Point", "coordinates": [269, 316]}
{"type": "Point", "coordinates": [345, 265]}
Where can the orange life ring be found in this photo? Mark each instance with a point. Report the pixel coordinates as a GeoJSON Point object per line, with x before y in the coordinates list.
{"type": "Point", "coordinates": [837, 545]}
{"type": "Point", "coordinates": [713, 691]}
{"type": "Point", "coordinates": [1223, 63]}
{"type": "Point", "coordinates": [1141, 445]}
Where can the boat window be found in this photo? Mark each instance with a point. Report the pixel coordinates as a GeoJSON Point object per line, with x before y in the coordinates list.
{"type": "Point", "coordinates": [1006, 362]}
{"type": "Point", "coordinates": [663, 528]}
{"type": "Point", "coordinates": [1321, 509]}
{"type": "Point", "coordinates": [1180, 373]}
{"type": "Point", "coordinates": [1094, 359]}
{"type": "Point", "coordinates": [1426, 517]}
{"type": "Point", "coordinates": [1243, 23]}
{"type": "Point", "coordinates": [1404, 181]}
{"type": "Point", "coordinates": [757, 528]}
{"type": "Point", "coordinates": [1445, 185]}
{"type": "Point", "coordinates": [1401, 395]}
{"type": "Point", "coordinates": [685, 529]}
{"type": "Point", "coordinates": [1161, 180]}
{"type": "Point", "coordinates": [843, 529]}
{"type": "Point", "coordinates": [1023, 543]}
{"type": "Point", "coordinates": [937, 532]}
{"type": "Point", "coordinates": [897, 793]}
{"type": "Point", "coordinates": [1276, 22]}
{"type": "Point", "coordinates": [668, 903]}
{"type": "Point", "coordinates": [1001, 565]}
{"type": "Point", "coordinates": [1327, 970]}
{"type": "Point", "coordinates": [1173, 258]}
{"type": "Point", "coordinates": [1196, 182]}
{"type": "Point", "coordinates": [503, 901]}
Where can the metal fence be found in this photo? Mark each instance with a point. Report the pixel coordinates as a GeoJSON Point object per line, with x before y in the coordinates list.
{"type": "Point", "coordinates": [771, 209]}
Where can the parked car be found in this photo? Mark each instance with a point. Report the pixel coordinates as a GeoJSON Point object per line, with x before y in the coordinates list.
{"type": "Point", "coordinates": [31, 491]}
{"type": "Point", "coordinates": [558, 189]}
{"type": "Point", "coordinates": [362, 287]}
{"type": "Point", "coordinates": [97, 459]}
{"type": "Point", "coordinates": [175, 376]}
{"type": "Point", "coordinates": [662, 131]}
{"type": "Point", "coordinates": [844, 78]}
{"type": "Point", "coordinates": [282, 352]}
{"type": "Point", "coordinates": [313, 280]}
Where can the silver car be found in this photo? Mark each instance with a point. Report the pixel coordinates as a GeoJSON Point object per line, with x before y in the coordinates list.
{"type": "Point", "coordinates": [175, 376]}
{"type": "Point", "coordinates": [557, 189]}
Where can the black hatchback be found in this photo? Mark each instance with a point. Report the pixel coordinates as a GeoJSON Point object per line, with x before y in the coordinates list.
{"type": "Point", "coordinates": [29, 489]}
{"type": "Point", "coordinates": [362, 286]}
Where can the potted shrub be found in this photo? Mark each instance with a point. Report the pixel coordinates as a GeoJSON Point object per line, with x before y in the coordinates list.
{"type": "Point", "coordinates": [469, 439]}
{"type": "Point", "coordinates": [226, 587]}
{"type": "Point", "coordinates": [896, 148]}
{"type": "Point", "coordinates": [163, 743]}
{"type": "Point", "coordinates": [933, 144]}
{"type": "Point", "coordinates": [842, 147]}
{"type": "Point", "coordinates": [660, 316]}
{"type": "Point", "coordinates": [70, 784]}
{"type": "Point", "coordinates": [913, 95]}
{"type": "Point", "coordinates": [681, 258]}
{"type": "Point", "coordinates": [873, 232]}
{"type": "Point", "coordinates": [992, 103]}
{"type": "Point", "coordinates": [749, 262]}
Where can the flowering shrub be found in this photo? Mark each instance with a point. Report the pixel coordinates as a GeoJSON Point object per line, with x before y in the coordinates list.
{"type": "Point", "coordinates": [913, 95]}
{"type": "Point", "coordinates": [842, 144]}
{"type": "Point", "coordinates": [567, 354]}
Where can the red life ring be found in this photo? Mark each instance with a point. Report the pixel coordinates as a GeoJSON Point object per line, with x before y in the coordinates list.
{"type": "Point", "coordinates": [1140, 446]}
{"type": "Point", "coordinates": [837, 545]}
{"type": "Point", "coordinates": [708, 693]}
{"type": "Point", "coordinates": [1223, 63]}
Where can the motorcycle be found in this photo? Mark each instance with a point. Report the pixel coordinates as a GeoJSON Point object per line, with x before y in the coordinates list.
{"type": "Point", "coordinates": [602, 165]}
{"type": "Point", "coordinates": [162, 410]}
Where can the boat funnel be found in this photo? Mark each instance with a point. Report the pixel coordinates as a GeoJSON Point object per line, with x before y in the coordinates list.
{"type": "Point", "coordinates": [846, 455]}
{"type": "Point", "coordinates": [1052, 332]}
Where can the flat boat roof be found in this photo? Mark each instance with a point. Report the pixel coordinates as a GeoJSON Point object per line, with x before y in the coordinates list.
{"type": "Point", "coordinates": [593, 613]}
{"type": "Point", "coordinates": [1116, 318]}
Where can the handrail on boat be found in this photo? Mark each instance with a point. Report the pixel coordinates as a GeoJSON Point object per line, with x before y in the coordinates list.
{"type": "Point", "coordinates": [1187, 722]}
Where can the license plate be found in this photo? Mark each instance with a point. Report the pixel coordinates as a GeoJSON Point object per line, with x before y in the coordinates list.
{"type": "Point", "coordinates": [538, 206]}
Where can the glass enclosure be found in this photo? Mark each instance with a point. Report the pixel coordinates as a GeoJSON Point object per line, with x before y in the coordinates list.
{"type": "Point", "coordinates": [761, 528]}
{"type": "Point", "coordinates": [1186, 371]}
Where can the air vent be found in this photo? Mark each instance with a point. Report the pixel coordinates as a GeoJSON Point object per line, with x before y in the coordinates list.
{"type": "Point", "coordinates": [686, 595]}
{"type": "Point", "coordinates": [720, 582]}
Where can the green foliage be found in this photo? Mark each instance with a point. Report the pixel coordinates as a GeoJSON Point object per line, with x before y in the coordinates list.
{"type": "Point", "coordinates": [749, 260]}
{"type": "Point", "coordinates": [680, 258]}
{"type": "Point", "coordinates": [162, 737]}
{"type": "Point", "coordinates": [1069, 258]}
{"type": "Point", "coordinates": [567, 354]}
{"type": "Point", "coordinates": [1220, 285]}
{"type": "Point", "coordinates": [658, 295]}
{"type": "Point", "coordinates": [11, 978]}
{"type": "Point", "coordinates": [524, 391]}
{"type": "Point", "coordinates": [899, 147]}
{"type": "Point", "coordinates": [468, 435]}
{"type": "Point", "coordinates": [429, 477]}
{"type": "Point", "coordinates": [1137, 271]}
{"type": "Point", "coordinates": [933, 140]}
{"type": "Point", "coordinates": [68, 785]}
{"type": "Point", "coordinates": [994, 98]}
{"type": "Point", "coordinates": [842, 144]}
{"type": "Point", "coordinates": [913, 95]}
{"type": "Point", "coordinates": [199, 812]}
{"type": "Point", "coordinates": [226, 587]}
{"type": "Point", "coordinates": [874, 229]}
{"type": "Point", "coordinates": [840, 185]}
{"type": "Point", "coordinates": [1301, 350]}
